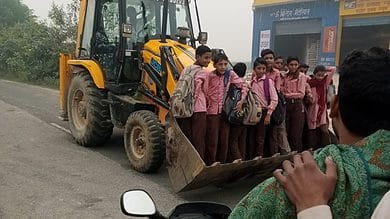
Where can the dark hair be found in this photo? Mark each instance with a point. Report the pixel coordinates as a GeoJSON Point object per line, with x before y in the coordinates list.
{"type": "Point", "coordinates": [279, 57]}
{"type": "Point", "coordinates": [364, 91]}
{"type": "Point", "coordinates": [292, 58]}
{"type": "Point", "coordinates": [318, 69]}
{"type": "Point", "coordinates": [259, 61]}
{"type": "Point", "coordinates": [304, 65]}
{"type": "Point", "coordinates": [219, 57]}
{"type": "Point", "coordinates": [202, 49]}
{"type": "Point", "coordinates": [240, 69]}
{"type": "Point", "coordinates": [265, 52]}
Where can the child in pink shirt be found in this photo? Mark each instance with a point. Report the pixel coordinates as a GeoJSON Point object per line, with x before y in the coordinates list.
{"type": "Point", "coordinates": [195, 126]}
{"type": "Point", "coordinates": [277, 135]}
{"type": "Point", "coordinates": [317, 115]}
{"type": "Point", "coordinates": [256, 134]}
{"type": "Point", "coordinates": [238, 133]}
{"type": "Point", "coordinates": [279, 64]}
{"type": "Point", "coordinates": [293, 88]}
{"type": "Point", "coordinates": [217, 127]}
{"type": "Point", "coordinates": [307, 101]}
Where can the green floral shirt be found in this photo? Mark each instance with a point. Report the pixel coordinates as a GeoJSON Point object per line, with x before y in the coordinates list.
{"type": "Point", "coordinates": [363, 178]}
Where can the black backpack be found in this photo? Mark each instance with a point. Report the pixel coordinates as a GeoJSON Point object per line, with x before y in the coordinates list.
{"type": "Point", "coordinates": [279, 113]}
{"type": "Point", "coordinates": [232, 97]}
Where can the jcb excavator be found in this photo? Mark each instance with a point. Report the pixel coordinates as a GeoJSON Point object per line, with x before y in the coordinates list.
{"type": "Point", "coordinates": [128, 58]}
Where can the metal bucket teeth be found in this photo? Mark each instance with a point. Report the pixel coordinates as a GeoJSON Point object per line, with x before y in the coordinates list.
{"type": "Point", "coordinates": [187, 171]}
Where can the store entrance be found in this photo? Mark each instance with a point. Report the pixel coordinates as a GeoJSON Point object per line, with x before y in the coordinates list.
{"type": "Point", "coordinates": [305, 46]}
{"type": "Point", "coordinates": [364, 37]}
{"type": "Point", "coordinates": [299, 38]}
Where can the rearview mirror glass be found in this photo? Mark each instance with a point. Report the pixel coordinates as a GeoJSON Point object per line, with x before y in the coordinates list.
{"type": "Point", "coordinates": [137, 203]}
{"type": "Point", "coordinates": [203, 37]}
{"type": "Point", "coordinates": [127, 30]}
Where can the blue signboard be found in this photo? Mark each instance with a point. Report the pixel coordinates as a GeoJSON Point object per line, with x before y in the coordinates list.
{"type": "Point", "coordinates": [324, 11]}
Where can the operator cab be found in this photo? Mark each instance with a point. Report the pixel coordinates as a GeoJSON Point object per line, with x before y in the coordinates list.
{"type": "Point", "coordinates": [116, 30]}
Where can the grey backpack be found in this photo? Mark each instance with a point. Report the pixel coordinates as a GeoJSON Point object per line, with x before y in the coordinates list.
{"type": "Point", "coordinates": [252, 109]}
{"type": "Point", "coordinates": [182, 99]}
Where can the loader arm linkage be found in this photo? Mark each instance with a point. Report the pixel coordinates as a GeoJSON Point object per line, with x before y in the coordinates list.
{"type": "Point", "coordinates": [168, 66]}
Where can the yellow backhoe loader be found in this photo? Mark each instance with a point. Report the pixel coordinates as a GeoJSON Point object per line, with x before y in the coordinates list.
{"type": "Point", "coordinates": [128, 58]}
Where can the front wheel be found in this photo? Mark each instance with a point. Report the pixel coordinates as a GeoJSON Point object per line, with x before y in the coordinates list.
{"type": "Point", "coordinates": [89, 116]}
{"type": "Point", "coordinates": [144, 139]}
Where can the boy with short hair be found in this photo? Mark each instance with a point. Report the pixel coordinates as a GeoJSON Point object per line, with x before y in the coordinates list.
{"type": "Point", "coordinates": [279, 64]}
{"type": "Point", "coordinates": [195, 126]}
{"type": "Point", "coordinates": [304, 68]}
{"type": "Point", "coordinates": [317, 115]}
{"type": "Point", "coordinates": [256, 133]}
{"type": "Point", "coordinates": [307, 101]}
{"type": "Point", "coordinates": [277, 133]}
{"type": "Point", "coordinates": [238, 133]}
{"type": "Point", "coordinates": [293, 89]}
{"type": "Point", "coordinates": [218, 127]}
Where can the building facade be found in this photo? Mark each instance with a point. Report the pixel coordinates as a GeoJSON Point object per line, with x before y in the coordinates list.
{"type": "Point", "coordinates": [320, 31]}
{"type": "Point", "coordinates": [363, 23]}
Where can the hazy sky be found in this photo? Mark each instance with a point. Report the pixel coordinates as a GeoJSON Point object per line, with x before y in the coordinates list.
{"type": "Point", "coordinates": [228, 22]}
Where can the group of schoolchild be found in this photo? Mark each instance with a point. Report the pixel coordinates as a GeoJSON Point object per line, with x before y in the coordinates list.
{"type": "Point", "coordinates": [290, 101]}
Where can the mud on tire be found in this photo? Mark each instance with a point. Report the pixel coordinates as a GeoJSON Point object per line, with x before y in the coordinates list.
{"type": "Point", "coordinates": [144, 139]}
{"type": "Point", "coordinates": [89, 116]}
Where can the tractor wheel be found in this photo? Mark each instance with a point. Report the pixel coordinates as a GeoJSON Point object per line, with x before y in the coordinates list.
{"type": "Point", "coordinates": [144, 141]}
{"type": "Point", "coordinates": [89, 116]}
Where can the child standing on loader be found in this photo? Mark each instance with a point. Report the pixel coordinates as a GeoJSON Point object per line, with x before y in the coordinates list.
{"type": "Point", "coordinates": [277, 131]}
{"type": "Point", "coordinates": [318, 134]}
{"type": "Point", "coordinates": [293, 88]}
{"type": "Point", "coordinates": [259, 83]}
{"type": "Point", "coordinates": [194, 127]}
{"type": "Point", "coordinates": [238, 133]}
{"type": "Point", "coordinates": [217, 136]}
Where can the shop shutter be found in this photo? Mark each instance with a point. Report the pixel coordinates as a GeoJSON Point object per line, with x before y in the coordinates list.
{"type": "Point", "coordinates": [312, 52]}
{"type": "Point", "coordinates": [306, 26]}
{"type": "Point", "coordinates": [367, 21]}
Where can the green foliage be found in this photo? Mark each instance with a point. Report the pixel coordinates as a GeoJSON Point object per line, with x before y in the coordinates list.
{"type": "Point", "coordinates": [12, 12]}
{"type": "Point", "coordinates": [29, 49]}
{"type": "Point", "coordinates": [63, 25]}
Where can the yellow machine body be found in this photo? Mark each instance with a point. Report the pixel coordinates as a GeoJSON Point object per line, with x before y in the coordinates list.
{"type": "Point", "coordinates": [186, 169]}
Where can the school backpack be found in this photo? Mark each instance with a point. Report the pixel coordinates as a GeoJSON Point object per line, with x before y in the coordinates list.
{"type": "Point", "coordinates": [182, 99]}
{"type": "Point", "coordinates": [231, 98]}
{"type": "Point", "coordinates": [279, 113]}
{"type": "Point", "coordinates": [252, 109]}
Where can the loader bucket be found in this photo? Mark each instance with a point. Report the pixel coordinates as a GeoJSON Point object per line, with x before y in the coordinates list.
{"type": "Point", "coordinates": [187, 171]}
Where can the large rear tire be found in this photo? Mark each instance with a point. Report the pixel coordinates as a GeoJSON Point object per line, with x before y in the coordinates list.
{"type": "Point", "coordinates": [89, 116]}
{"type": "Point", "coordinates": [144, 141]}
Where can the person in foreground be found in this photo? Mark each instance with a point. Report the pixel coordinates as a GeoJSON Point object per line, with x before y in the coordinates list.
{"type": "Point", "coordinates": [310, 190]}
{"type": "Point", "coordinates": [361, 119]}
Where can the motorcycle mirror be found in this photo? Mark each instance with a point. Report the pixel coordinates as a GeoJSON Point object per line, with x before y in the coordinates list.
{"type": "Point", "coordinates": [203, 37]}
{"type": "Point", "coordinates": [137, 203]}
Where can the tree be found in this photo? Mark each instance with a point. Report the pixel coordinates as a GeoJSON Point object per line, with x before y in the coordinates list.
{"type": "Point", "coordinates": [29, 49]}
{"type": "Point", "coordinates": [12, 12]}
{"type": "Point", "coordinates": [28, 52]}
{"type": "Point", "coordinates": [63, 24]}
